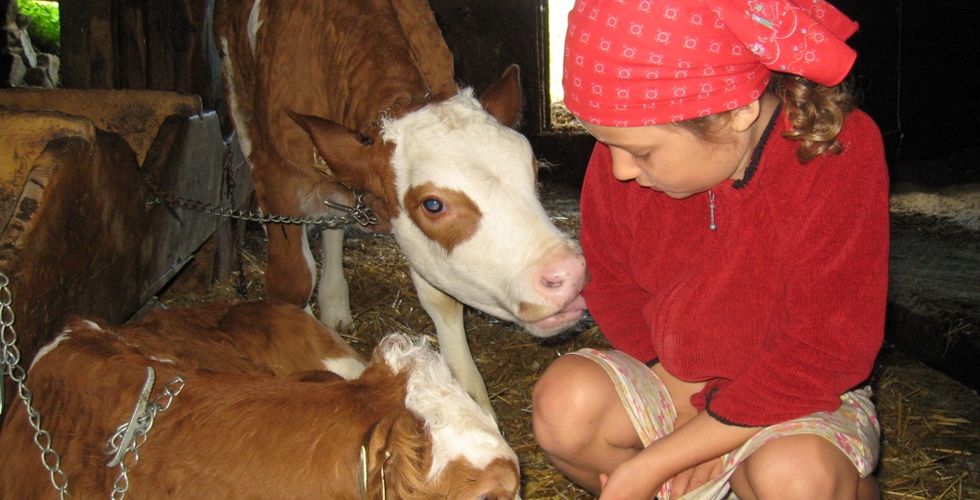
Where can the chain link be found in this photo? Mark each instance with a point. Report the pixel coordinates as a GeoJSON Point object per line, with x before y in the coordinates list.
{"type": "Point", "coordinates": [360, 213]}
{"type": "Point", "coordinates": [11, 368]}
{"type": "Point", "coordinates": [127, 439]}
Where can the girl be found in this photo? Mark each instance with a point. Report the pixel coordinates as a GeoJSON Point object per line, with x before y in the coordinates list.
{"type": "Point", "coordinates": [735, 221]}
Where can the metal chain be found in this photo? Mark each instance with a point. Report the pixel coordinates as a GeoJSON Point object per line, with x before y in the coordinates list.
{"type": "Point", "coordinates": [10, 364]}
{"type": "Point", "coordinates": [127, 439]}
{"type": "Point", "coordinates": [360, 213]}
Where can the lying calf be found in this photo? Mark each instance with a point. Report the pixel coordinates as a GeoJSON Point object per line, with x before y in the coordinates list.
{"type": "Point", "coordinates": [257, 416]}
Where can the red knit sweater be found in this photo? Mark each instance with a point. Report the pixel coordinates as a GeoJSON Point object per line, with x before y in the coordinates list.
{"type": "Point", "coordinates": [781, 309]}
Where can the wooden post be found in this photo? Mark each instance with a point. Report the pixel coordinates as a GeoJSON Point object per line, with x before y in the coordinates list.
{"type": "Point", "coordinates": [141, 44]}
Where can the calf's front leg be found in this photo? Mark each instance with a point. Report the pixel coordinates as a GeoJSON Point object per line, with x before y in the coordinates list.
{"type": "Point", "coordinates": [290, 268]}
{"type": "Point", "coordinates": [447, 314]}
{"type": "Point", "coordinates": [332, 293]}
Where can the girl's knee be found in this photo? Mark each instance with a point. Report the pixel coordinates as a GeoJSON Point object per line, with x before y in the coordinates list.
{"type": "Point", "coordinates": [805, 466]}
{"type": "Point", "coordinates": [571, 393]}
{"type": "Point", "coordinates": [571, 383]}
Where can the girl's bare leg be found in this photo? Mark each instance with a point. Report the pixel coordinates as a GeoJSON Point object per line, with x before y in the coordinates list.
{"type": "Point", "coordinates": [580, 422]}
{"type": "Point", "coordinates": [801, 466]}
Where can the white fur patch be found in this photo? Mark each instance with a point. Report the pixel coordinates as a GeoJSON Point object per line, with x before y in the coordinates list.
{"type": "Point", "coordinates": [459, 427]}
{"type": "Point", "coordinates": [54, 343]}
{"type": "Point", "coordinates": [349, 368]}
{"type": "Point", "coordinates": [308, 258]}
{"type": "Point", "coordinates": [234, 106]}
{"type": "Point", "coordinates": [254, 23]}
{"type": "Point", "coordinates": [163, 360]}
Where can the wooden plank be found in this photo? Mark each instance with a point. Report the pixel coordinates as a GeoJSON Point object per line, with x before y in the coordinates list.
{"type": "Point", "coordinates": [101, 53]}
{"type": "Point", "coordinates": [76, 67]}
{"type": "Point", "coordinates": [236, 192]}
{"type": "Point", "coordinates": [131, 45]}
{"type": "Point", "coordinates": [23, 139]}
{"type": "Point", "coordinates": [160, 23]}
{"type": "Point", "coordinates": [198, 69]}
{"type": "Point", "coordinates": [189, 159]}
{"type": "Point", "coordinates": [134, 114]}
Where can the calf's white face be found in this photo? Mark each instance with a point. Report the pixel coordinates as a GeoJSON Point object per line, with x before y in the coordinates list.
{"type": "Point", "coordinates": [470, 222]}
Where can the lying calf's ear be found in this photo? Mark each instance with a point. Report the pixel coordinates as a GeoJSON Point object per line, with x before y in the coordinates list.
{"type": "Point", "coordinates": [397, 444]}
{"type": "Point", "coordinates": [503, 99]}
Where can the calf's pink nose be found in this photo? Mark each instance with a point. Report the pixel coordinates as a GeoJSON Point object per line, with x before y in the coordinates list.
{"type": "Point", "coordinates": [562, 278]}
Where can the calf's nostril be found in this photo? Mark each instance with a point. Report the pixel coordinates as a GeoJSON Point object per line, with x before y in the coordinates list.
{"type": "Point", "coordinates": [553, 282]}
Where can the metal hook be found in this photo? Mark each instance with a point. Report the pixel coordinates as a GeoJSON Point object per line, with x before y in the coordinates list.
{"type": "Point", "coordinates": [141, 403]}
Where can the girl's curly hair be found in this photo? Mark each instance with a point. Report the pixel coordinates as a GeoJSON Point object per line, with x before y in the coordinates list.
{"type": "Point", "coordinates": [816, 114]}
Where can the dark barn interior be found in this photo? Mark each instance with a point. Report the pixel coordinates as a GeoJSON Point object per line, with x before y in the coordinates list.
{"type": "Point", "coordinates": [172, 127]}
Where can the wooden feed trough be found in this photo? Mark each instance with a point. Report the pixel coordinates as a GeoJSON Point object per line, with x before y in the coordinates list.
{"type": "Point", "coordinates": [80, 234]}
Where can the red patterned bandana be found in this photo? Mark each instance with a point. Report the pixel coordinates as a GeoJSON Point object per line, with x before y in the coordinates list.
{"type": "Point", "coordinates": [630, 63]}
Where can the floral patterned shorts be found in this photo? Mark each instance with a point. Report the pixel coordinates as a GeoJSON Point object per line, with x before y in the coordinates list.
{"type": "Point", "coordinates": [853, 428]}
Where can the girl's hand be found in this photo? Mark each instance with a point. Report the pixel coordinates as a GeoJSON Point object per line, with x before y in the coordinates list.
{"type": "Point", "coordinates": [693, 478]}
{"type": "Point", "coordinates": [631, 480]}
{"type": "Point", "coordinates": [625, 483]}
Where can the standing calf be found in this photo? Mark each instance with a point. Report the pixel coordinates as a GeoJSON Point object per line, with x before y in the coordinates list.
{"type": "Point", "coordinates": [257, 417]}
{"type": "Point", "coordinates": [331, 94]}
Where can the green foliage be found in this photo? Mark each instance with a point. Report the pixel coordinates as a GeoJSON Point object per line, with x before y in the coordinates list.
{"type": "Point", "coordinates": [45, 27]}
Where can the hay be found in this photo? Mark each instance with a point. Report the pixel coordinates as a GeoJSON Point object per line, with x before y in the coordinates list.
{"type": "Point", "coordinates": [929, 446]}
{"type": "Point", "coordinates": [563, 120]}
{"type": "Point", "coordinates": [930, 438]}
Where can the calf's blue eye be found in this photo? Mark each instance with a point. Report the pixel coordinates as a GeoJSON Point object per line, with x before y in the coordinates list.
{"type": "Point", "coordinates": [433, 205]}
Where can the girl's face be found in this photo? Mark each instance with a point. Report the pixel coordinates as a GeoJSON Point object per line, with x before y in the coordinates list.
{"type": "Point", "coordinates": [672, 160]}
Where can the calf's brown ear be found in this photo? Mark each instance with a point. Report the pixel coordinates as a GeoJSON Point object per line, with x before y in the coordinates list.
{"type": "Point", "coordinates": [397, 443]}
{"type": "Point", "coordinates": [503, 99]}
{"type": "Point", "coordinates": [344, 150]}
{"type": "Point", "coordinates": [355, 160]}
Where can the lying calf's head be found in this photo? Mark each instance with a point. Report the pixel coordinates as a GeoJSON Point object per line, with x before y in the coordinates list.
{"type": "Point", "coordinates": [443, 445]}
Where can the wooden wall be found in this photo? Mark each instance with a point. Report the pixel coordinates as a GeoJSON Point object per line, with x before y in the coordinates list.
{"type": "Point", "coordinates": [140, 44]}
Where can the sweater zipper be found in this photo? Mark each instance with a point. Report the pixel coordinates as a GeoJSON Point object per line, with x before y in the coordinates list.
{"type": "Point", "coordinates": [711, 211]}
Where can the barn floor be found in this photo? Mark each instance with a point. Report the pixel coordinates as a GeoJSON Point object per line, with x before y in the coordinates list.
{"type": "Point", "coordinates": [930, 436]}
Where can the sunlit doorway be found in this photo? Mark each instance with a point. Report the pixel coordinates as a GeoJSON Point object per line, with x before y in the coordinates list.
{"type": "Point", "coordinates": [558, 10]}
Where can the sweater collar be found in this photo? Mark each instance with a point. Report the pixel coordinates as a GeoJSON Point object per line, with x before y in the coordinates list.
{"type": "Point", "coordinates": [750, 170]}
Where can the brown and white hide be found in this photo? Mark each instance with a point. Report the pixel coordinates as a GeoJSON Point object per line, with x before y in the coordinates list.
{"type": "Point", "coordinates": [244, 426]}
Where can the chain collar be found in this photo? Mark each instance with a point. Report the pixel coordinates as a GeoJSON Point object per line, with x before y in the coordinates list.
{"type": "Point", "coordinates": [10, 367]}
{"type": "Point", "coordinates": [130, 435]}
{"type": "Point", "coordinates": [364, 474]}
{"type": "Point", "coordinates": [359, 213]}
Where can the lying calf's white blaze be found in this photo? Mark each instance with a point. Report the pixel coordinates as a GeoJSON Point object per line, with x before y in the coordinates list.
{"type": "Point", "coordinates": [63, 336]}
{"type": "Point", "coordinates": [459, 427]}
{"type": "Point", "coordinates": [471, 223]}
